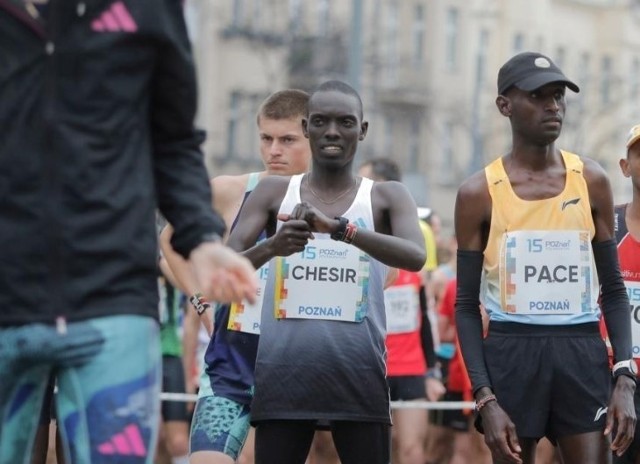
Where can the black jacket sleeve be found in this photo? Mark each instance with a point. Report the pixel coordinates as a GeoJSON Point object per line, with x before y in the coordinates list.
{"type": "Point", "coordinates": [468, 317]}
{"type": "Point", "coordinates": [182, 182]}
{"type": "Point", "coordinates": [614, 300]}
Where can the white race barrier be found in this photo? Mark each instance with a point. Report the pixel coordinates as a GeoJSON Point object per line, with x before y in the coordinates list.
{"type": "Point", "coordinates": [432, 405]}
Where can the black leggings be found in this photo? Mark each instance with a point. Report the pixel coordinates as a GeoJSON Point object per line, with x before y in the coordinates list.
{"type": "Point", "coordinates": [289, 441]}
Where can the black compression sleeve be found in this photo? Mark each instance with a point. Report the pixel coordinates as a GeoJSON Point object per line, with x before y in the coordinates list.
{"type": "Point", "coordinates": [426, 336]}
{"type": "Point", "coordinates": [614, 300]}
{"type": "Point", "coordinates": [468, 317]}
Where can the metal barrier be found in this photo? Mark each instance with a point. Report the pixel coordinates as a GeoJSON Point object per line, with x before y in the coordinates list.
{"type": "Point", "coordinates": [431, 405]}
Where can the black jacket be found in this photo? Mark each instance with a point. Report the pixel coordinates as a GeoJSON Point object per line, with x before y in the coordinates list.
{"type": "Point", "coordinates": [96, 131]}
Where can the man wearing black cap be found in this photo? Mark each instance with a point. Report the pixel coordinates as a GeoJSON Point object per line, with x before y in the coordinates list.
{"type": "Point", "coordinates": [537, 248]}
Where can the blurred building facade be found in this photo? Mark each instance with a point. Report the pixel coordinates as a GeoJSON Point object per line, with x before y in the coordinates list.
{"type": "Point", "coordinates": [426, 70]}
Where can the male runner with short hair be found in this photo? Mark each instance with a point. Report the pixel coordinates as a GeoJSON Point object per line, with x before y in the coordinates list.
{"type": "Point", "coordinates": [537, 247]}
{"type": "Point", "coordinates": [221, 418]}
{"type": "Point", "coordinates": [321, 354]}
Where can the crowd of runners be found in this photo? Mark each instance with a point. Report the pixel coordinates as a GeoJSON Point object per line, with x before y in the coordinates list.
{"type": "Point", "coordinates": [298, 302]}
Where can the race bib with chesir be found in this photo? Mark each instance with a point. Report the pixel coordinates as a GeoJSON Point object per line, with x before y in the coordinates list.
{"type": "Point", "coordinates": [327, 281]}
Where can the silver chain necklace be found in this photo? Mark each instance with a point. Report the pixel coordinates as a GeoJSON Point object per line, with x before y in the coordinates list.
{"type": "Point", "coordinates": [333, 200]}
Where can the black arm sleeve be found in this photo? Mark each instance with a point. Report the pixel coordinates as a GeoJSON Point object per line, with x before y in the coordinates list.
{"type": "Point", "coordinates": [468, 317]}
{"type": "Point", "coordinates": [426, 336]}
{"type": "Point", "coordinates": [181, 180]}
{"type": "Point", "coordinates": [614, 300]}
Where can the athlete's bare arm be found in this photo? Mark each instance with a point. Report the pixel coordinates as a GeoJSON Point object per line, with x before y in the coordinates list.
{"type": "Point", "coordinates": [473, 213]}
{"type": "Point", "coordinates": [394, 212]}
{"type": "Point", "coordinates": [260, 213]}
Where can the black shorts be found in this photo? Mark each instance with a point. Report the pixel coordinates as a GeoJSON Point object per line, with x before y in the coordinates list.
{"type": "Point", "coordinates": [289, 441]}
{"type": "Point", "coordinates": [173, 382]}
{"type": "Point", "coordinates": [48, 411]}
{"type": "Point", "coordinates": [552, 381]}
{"type": "Point", "coordinates": [455, 419]}
{"type": "Point", "coordinates": [407, 387]}
{"type": "Point", "coordinates": [629, 457]}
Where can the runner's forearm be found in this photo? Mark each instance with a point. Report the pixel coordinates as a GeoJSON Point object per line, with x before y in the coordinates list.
{"type": "Point", "coordinates": [390, 250]}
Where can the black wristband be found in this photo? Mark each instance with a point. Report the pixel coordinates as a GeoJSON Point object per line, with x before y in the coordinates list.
{"type": "Point", "coordinates": [342, 228]}
{"type": "Point", "coordinates": [626, 372]}
{"type": "Point", "coordinates": [199, 303]}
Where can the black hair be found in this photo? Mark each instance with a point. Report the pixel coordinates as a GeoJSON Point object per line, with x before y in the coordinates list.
{"type": "Point", "coordinates": [339, 86]}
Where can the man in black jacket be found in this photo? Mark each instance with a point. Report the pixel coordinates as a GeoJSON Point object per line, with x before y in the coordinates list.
{"type": "Point", "coordinates": [97, 105]}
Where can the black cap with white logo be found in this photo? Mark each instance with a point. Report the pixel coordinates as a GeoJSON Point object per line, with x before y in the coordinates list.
{"type": "Point", "coordinates": [530, 71]}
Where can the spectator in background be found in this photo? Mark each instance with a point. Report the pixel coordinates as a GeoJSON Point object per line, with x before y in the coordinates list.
{"type": "Point", "coordinates": [627, 233]}
{"type": "Point", "coordinates": [173, 445]}
{"type": "Point", "coordinates": [412, 372]}
{"type": "Point", "coordinates": [467, 445]}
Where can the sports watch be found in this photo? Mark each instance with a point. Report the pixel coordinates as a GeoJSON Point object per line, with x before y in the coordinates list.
{"type": "Point", "coordinates": [627, 367]}
{"type": "Point", "coordinates": [338, 234]}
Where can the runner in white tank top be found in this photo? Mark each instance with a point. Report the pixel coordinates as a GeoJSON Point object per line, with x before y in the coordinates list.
{"type": "Point", "coordinates": [321, 352]}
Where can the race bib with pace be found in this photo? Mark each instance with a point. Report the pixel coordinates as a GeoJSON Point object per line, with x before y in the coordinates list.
{"type": "Point", "coordinates": [402, 307]}
{"type": "Point", "coordinates": [547, 272]}
{"type": "Point", "coordinates": [328, 280]}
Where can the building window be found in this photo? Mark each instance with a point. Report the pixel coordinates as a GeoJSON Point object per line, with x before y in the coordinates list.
{"type": "Point", "coordinates": [237, 14]}
{"type": "Point", "coordinates": [232, 124]}
{"type": "Point", "coordinates": [446, 161]}
{"type": "Point", "coordinates": [483, 46]}
{"type": "Point", "coordinates": [322, 13]}
{"type": "Point", "coordinates": [414, 145]}
{"type": "Point", "coordinates": [584, 70]}
{"type": "Point", "coordinates": [295, 16]}
{"type": "Point", "coordinates": [518, 43]}
{"type": "Point", "coordinates": [451, 40]}
{"type": "Point", "coordinates": [634, 85]}
{"type": "Point", "coordinates": [418, 34]}
{"type": "Point", "coordinates": [257, 16]}
{"type": "Point", "coordinates": [539, 43]}
{"type": "Point", "coordinates": [387, 143]}
{"type": "Point", "coordinates": [390, 44]}
{"type": "Point", "coordinates": [605, 80]}
{"type": "Point", "coordinates": [560, 58]}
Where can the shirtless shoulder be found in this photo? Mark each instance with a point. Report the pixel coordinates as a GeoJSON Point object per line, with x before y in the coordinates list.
{"type": "Point", "coordinates": [271, 190]}
{"type": "Point", "coordinates": [228, 195]}
{"type": "Point", "coordinates": [472, 211]}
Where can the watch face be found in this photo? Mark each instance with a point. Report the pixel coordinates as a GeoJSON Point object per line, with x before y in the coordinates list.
{"type": "Point", "coordinates": [633, 367]}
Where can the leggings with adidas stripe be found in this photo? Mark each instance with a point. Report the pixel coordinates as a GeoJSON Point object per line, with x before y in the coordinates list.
{"type": "Point", "coordinates": [108, 375]}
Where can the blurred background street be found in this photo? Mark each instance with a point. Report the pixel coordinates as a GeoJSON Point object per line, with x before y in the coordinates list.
{"type": "Point", "coordinates": [426, 70]}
